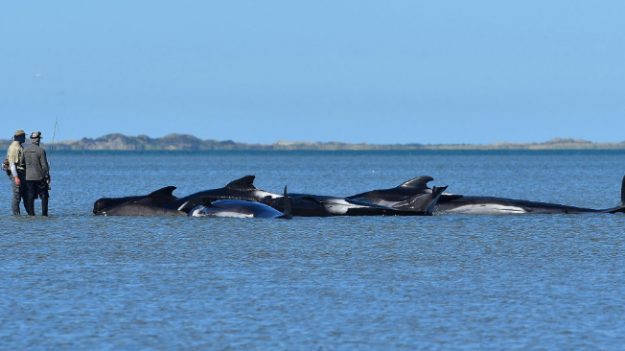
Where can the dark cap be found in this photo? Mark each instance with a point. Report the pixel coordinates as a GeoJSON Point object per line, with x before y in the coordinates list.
{"type": "Point", "coordinates": [19, 132]}
{"type": "Point", "coordinates": [35, 135]}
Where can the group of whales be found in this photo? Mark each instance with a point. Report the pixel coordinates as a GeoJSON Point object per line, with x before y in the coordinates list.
{"type": "Point", "coordinates": [240, 198]}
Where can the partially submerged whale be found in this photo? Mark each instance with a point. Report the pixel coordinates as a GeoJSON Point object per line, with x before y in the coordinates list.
{"type": "Point", "coordinates": [236, 209]}
{"type": "Point", "coordinates": [461, 204]}
{"type": "Point", "coordinates": [241, 209]}
{"type": "Point", "coordinates": [161, 202]}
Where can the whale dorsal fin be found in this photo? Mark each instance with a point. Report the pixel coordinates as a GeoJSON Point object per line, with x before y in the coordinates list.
{"type": "Point", "coordinates": [166, 191]}
{"type": "Point", "coordinates": [417, 183]}
{"type": "Point", "coordinates": [245, 183]}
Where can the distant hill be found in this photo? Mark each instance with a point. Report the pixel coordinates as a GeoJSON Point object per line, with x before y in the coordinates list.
{"type": "Point", "coordinates": [185, 142]}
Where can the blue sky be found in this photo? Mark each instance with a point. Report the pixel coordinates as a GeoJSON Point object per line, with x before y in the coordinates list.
{"type": "Point", "coordinates": [351, 70]}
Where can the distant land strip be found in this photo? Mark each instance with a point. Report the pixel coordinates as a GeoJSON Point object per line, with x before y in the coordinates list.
{"type": "Point", "coordinates": [185, 142]}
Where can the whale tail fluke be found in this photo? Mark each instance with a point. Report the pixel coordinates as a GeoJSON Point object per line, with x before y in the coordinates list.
{"type": "Point", "coordinates": [288, 208]}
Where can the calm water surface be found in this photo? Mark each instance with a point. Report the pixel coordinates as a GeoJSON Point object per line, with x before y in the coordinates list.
{"type": "Point", "coordinates": [75, 281]}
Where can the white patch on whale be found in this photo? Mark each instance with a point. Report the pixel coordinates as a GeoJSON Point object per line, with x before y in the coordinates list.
{"type": "Point", "coordinates": [339, 206]}
{"type": "Point", "coordinates": [486, 209]}
{"type": "Point", "coordinates": [261, 194]}
{"type": "Point", "coordinates": [202, 211]}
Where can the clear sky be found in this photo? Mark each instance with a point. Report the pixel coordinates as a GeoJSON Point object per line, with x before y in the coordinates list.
{"type": "Point", "coordinates": [346, 70]}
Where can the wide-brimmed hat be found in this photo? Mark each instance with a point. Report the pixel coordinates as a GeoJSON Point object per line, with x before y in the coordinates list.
{"type": "Point", "coordinates": [19, 132]}
{"type": "Point", "coordinates": [35, 135]}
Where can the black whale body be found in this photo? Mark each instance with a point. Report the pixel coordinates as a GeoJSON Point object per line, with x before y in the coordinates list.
{"type": "Point", "coordinates": [158, 203]}
{"type": "Point", "coordinates": [241, 209]}
{"type": "Point", "coordinates": [461, 204]}
{"type": "Point", "coordinates": [236, 209]}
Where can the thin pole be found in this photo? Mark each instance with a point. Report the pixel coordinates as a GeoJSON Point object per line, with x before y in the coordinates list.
{"type": "Point", "coordinates": [56, 122]}
{"type": "Point", "coordinates": [52, 146]}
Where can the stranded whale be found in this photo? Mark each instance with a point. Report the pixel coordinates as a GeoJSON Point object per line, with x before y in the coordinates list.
{"type": "Point", "coordinates": [241, 209]}
{"type": "Point", "coordinates": [236, 209]}
{"type": "Point", "coordinates": [158, 203]}
{"type": "Point", "coordinates": [461, 204]}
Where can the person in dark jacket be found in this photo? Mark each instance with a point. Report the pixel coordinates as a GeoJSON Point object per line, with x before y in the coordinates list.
{"type": "Point", "coordinates": [37, 175]}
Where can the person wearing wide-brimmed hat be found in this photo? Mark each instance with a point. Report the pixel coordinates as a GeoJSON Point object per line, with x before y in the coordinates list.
{"type": "Point", "coordinates": [16, 170]}
{"type": "Point", "coordinates": [37, 175]}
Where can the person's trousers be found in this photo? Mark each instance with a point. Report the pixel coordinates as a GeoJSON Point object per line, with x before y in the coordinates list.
{"type": "Point", "coordinates": [34, 189]}
{"type": "Point", "coordinates": [18, 194]}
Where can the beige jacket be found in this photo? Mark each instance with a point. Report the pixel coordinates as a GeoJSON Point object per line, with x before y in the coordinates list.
{"type": "Point", "coordinates": [15, 155]}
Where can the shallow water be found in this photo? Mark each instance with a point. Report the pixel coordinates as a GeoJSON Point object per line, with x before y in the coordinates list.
{"type": "Point", "coordinates": [76, 281]}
